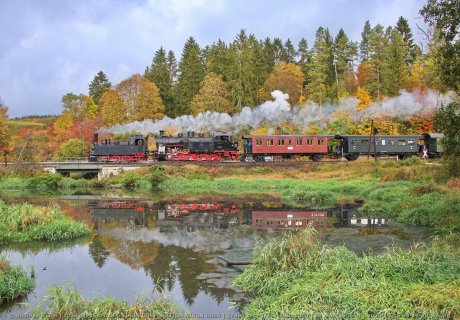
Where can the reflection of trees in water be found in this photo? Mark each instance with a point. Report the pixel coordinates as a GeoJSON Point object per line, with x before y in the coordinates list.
{"type": "Point", "coordinates": [184, 265]}
{"type": "Point", "coordinates": [98, 252]}
{"type": "Point", "coordinates": [135, 254]}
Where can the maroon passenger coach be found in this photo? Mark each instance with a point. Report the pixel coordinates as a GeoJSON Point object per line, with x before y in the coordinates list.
{"type": "Point", "coordinates": [267, 148]}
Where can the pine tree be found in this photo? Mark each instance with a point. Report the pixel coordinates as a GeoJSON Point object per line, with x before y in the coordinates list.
{"type": "Point", "coordinates": [98, 86]}
{"type": "Point", "coordinates": [377, 45]}
{"type": "Point", "coordinates": [345, 52]}
{"type": "Point", "coordinates": [260, 66]}
{"type": "Point", "coordinates": [242, 81]}
{"type": "Point", "coordinates": [395, 72]}
{"type": "Point", "coordinates": [269, 54]}
{"type": "Point", "coordinates": [320, 73]}
{"type": "Point", "coordinates": [191, 73]}
{"type": "Point", "coordinates": [289, 53]}
{"type": "Point", "coordinates": [172, 66]}
{"type": "Point", "coordinates": [278, 49]}
{"type": "Point", "coordinates": [213, 96]}
{"type": "Point", "coordinates": [364, 45]}
{"type": "Point", "coordinates": [413, 51]}
{"type": "Point", "coordinates": [159, 74]}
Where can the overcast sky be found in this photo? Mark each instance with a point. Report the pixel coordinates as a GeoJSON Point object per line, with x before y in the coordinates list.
{"type": "Point", "coordinates": [51, 47]}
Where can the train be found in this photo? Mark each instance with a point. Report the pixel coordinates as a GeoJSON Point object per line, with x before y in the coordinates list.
{"type": "Point", "coordinates": [221, 146]}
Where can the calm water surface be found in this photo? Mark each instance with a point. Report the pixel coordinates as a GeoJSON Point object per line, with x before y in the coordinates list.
{"type": "Point", "coordinates": [142, 247]}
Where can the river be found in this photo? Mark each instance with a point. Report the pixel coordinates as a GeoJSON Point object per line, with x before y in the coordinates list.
{"type": "Point", "coordinates": [147, 246]}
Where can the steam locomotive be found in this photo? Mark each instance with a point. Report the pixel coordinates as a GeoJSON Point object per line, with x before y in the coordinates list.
{"type": "Point", "coordinates": [220, 146]}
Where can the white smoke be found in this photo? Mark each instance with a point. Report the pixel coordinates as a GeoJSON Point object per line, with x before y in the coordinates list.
{"type": "Point", "coordinates": [274, 113]}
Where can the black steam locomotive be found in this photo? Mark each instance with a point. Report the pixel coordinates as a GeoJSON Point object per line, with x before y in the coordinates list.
{"type": "Point", "coordinates": [196, 147]}
{"type": "Point", "coordinates": [133, 150]}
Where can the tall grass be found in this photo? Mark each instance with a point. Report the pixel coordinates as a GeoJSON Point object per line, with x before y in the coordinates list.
{"type": "Point", "coordinates": [26, 222]}
{"type": "Point", "coordinates": [14, 282]}
{"type": "Point", "coordinates": [67, 303]}
{"type": "Point", "coordinates": [298, 275]}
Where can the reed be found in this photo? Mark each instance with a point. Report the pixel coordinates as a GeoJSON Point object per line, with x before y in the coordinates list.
{"type": "Point", "coordinates": [67, 303]}
{"type": "Point", "coordinates": [26, 222]}
{"type": "Point", "coordinates": [300, 276]}
{"type": "Point", "coordinates": [14, 282]}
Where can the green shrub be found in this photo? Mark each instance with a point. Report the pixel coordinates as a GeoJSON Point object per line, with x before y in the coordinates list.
{"type": "Point", "coordinates": [14, 282]}
{"type": "Point", "coordinates": [26, 222]}
{"type": "Point", "coordinates": [157, 176]}
{"type": "Point", "coordinates": [310, 198]}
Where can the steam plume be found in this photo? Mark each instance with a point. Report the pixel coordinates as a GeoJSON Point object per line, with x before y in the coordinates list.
{"type": "Point", "coordinates": [274, 113]}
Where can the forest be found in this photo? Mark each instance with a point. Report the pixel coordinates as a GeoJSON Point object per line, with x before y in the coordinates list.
{"type": "Point", "coordinates": [226, 77]}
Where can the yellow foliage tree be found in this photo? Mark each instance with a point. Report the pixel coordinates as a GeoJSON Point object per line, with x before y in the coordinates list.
{"type": "Point", "coordinates": [141, 98]}
{"type": "Point", "coordinates": [65, 121]}
{"type": "Point", "coordinates": [364, 99]}
{"type": "Point", "coordinates": [259, 131]}
{"type": "Point", "coordinates": [212, 96]}
{"type": "Point", "coordinates": [113, 110]}
{"type": "Point", "coordinates": [286, 77]}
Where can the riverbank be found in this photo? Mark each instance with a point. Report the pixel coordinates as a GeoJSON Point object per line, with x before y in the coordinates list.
{"type": "Point", "coordinates": [298, 276]}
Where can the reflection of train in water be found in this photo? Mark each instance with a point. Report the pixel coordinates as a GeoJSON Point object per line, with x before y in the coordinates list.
{"type": "Point", "coordinates": [191, 216]}
{"type": "Point", "coordinates": [281, 219]}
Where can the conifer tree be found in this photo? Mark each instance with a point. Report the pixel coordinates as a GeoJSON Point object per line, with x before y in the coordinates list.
{"type": "Point", "coordinates": [395, 72]}
{"type": "Point", "coordinates": [377, 45]}
{"type": "Point", "coordinates": [289, 52]}
{"type": "Point", "coordinates": [320, 70]}
{"type": "Point", "coordinates": [364, 45]}
{"type": "Point", "coordinates": [345, 52]}
{"type": "Point", "coordinates": [98, 86]}
{"type": "Point", "coordinates": [159, 74]}
{"type": "Point", "coordinates": [242, 82]}
{"type": "Point", "coordinates": [413, 51]}
{"type": "Point", "coordinates": [278, 50]}
{"type": "Point", "coordinates": [191, 73]}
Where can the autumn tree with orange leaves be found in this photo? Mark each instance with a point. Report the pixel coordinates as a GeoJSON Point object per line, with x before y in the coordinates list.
{"type": "Point", "coordinates": [133, 99]}
{"type": "Point", "coordinates": [286, 77]}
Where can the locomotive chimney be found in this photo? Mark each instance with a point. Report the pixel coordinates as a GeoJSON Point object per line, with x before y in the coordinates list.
{"type": "Point", "coordinates": [95, 138]}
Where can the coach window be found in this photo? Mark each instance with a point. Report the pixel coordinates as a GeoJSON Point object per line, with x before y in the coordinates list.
{"type": "Point", "coordinates": [281, 142]}
{"type": "Point", "coordinates": [391, 142]}
{"type": "Point", "coordinates": [289, 142]}
{"type": "Point", "coordinates": [354, 142]}
{"type": "Point", "coordinates": [258, 142]}
{"type": "Point", "coordinates": [298, 142]}
{"type": "Point", "coordinates": [321, 142]}
{"type": "Point", "coordinates": [309, 142]}
{"type": "Point", "coordinates": [269, 142]}
{"type": "Point", "coordinates": [365, 142]}
{"type": "Point", "coordinates": [383, 142]}
{"type": "Point", "coordinates": [410, 142]}
{"type": "Point", "coordinates": [401, 142]}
